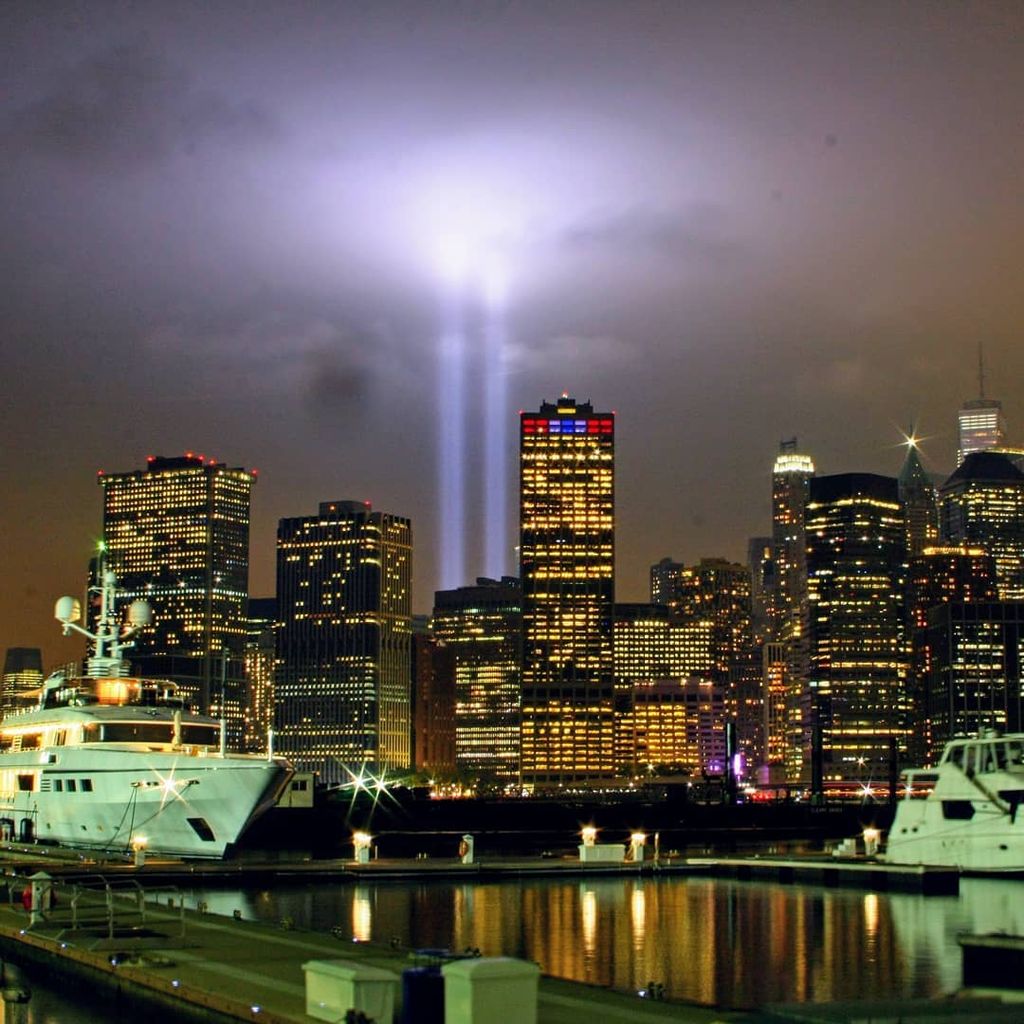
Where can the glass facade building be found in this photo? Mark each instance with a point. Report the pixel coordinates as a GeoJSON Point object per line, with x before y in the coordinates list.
{"type": "Point", "coordinates": [342, 675]}
{"type": "Point", "coordinates": [567, 565]}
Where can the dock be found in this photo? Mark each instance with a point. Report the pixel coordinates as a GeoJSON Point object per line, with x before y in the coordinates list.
{"type": "Point", "coordinates": [830, 872]}
{"type": "Point", "coordinates": [200, 967]}
{"type": "Point", "coordinates": [813, 869]}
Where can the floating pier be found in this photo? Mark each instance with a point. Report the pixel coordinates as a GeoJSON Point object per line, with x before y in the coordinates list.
{"type": "Point", "coordinates": [833, 872]}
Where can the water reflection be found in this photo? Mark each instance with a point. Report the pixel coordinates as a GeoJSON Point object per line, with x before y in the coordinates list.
{"type": "Point", "coordinates": [737, 944]}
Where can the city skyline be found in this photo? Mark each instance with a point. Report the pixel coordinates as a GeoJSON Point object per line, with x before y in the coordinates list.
{"type": "Point", "coordinates": [632, 585]}
{"type": "Point", "coordinates": [223, 226]}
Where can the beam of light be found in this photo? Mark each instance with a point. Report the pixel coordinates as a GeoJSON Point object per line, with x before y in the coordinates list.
{"type": "Point", "coordinates": [496, 546]}
{"type": "Point", "coordinates": [451, 420]}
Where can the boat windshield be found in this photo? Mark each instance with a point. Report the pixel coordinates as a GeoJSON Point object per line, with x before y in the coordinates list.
{"type": "Point", "coordinates": [151, 732]}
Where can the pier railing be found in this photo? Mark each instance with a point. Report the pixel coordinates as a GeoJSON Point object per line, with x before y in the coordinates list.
{"type": "Point", "coordinates": [105, 908]}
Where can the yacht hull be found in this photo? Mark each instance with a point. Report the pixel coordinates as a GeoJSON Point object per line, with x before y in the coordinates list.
{"type": "Point", "coordinates": [171, 803]}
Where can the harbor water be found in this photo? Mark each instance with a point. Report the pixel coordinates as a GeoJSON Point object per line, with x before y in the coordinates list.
{"type": "Point", "coordinates": [714, 942]}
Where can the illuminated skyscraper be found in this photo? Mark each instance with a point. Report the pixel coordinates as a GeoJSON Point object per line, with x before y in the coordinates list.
{"type": "Point", "coordinates": [23, 672]}
{"type": "Point", "coordinates": [718, 591]}
{"type": "Point", "coordinates": [938, 576]}
{"type": "Point", "coordinates": [482, 625]}
{"type": "Point", "coordinates": [920, 504]}
{"type": "Point", "coordinates": [982, 505]}
{"type": "Point", "coordinates": [676, 723]}
{"type": "Point", "coordinates": [791, 476]}
{"type": "Point", "coordinates": [655, 654]}
{"type": "Point", "coordinates": [342, 678]}
{"type": "Point", "coordinates": [177, 536]}
{"type": "Point", "coordinates": [981, 425]}
{"type": "Point", "coordinates": [855, 568]}
{"type": "Point", "coordinates": [775, 709]}
{"type": "Point", "coordinates": [974, 679]}
{"type": "Point", "coordinates": [259, 670]}
{"type": "Point", "coordinates": [567, 560]}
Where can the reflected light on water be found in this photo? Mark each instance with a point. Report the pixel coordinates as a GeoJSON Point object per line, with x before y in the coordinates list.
{"type": "Point", "coordinates": [716, 942]}
{"type": "Point", "coordinates": [362, 914]}
{"type": "Point", "coordinates": [637, 915]}
{"type": "Point", "coordinates": [871, 915]}
{"type": "Point", "coordinates": [588, 912]}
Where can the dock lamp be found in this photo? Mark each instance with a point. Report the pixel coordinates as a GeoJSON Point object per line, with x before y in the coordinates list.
{"type": "Point", "coordinates": [637, 842]}
{"type": "Point", "coordinates": [361, 842]}
{"type": "Point", "coordinates": [589, 835]}
{"type": "Point", "coordinates": [139, 845]}
{"type": "Point", "coordinates": [871, 838]}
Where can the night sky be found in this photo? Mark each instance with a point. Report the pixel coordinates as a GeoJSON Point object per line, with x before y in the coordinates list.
{"type": "Point", "coordinates": [731, 223]}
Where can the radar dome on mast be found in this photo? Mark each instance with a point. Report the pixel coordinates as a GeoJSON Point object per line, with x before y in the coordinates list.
{"type": "Point", "coordinates": [67, 609]}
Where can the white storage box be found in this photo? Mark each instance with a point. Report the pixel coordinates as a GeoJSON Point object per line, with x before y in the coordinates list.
{"type": "Point", "coordinates": [335, 986]}
{"type": "Point", "coordinates": [486, 990]}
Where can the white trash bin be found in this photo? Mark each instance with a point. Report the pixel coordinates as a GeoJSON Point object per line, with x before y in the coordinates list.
{"type": "Point", "coordinates": [484, 990]}
{"type": "Point", "coordinates": [335, 986]}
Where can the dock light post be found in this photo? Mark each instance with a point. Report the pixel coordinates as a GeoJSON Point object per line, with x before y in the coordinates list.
{"type": "Point", "coordinates": [139, 845]}
{"type": "Point", "coordinates": [871, 838]}
{"type": "Point", "coordinates": [589, 835]}
{"type": "Point", "coordinates": [41, 895]}
{"type": "Point", "coordinates": [361, 842]}
{"type": "Point", "coordinates": [637, 842]}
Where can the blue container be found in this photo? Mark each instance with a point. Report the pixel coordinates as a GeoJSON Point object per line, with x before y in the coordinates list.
{"type": "Point", "coordinates": [422, 996]}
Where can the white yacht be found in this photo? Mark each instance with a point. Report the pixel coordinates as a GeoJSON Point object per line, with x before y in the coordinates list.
{"type": "Point", "coordinates": [966, 812]}
{"type": "Point", "coordinates": [114, 763]}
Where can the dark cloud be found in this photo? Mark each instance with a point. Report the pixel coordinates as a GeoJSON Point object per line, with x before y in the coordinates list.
{"type": "Point", "coordinates": [130, 106]}
{"type": "Point", "coordinates": [699, 233]}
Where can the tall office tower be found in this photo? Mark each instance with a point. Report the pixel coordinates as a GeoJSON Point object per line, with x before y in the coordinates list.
{"type": "Point", "coordinates": [677, 724]}
{"type": "Point", "coordinates": [718, 591]}
{"type": "Point", "coordinates": [177, 535]}
{"type": "Point", "coordinates": [762, 586]}
{"type": "Point", "coordinates": [974, 680]}
{"type": "Point", "coordinates": [259, 671]}
{"type": "Point", "coordinates": [981, 425]}
{"type": "Point", "coordinates": [23, 672]}
{"type": "Point", "coordinates": [920, 503]}
{"type": "Point", "coordinates": [773, 675]}
{"type": "Point", "coordinates": [665, 582]}
{"type": "Point", "coordinates": [982, 505]}
{"type": "Point", "coordinates": [791, 476]}
{"type": "Point", "coordinates": [948, 574]}
{"type": "Point", "coordinates": [855, 569]}
{"type": "Point", "coordinates": [651, 646]}
{"type": "Point", "coordinates": [567, 565]}
{"type": "Point", "coordinates": [433, 705]}
{"type": "Point", "coordinates": [483, 626]}
{"type": "Point", "coordinates": [939, 575]}
{"type": "Point", "coordinates": [342, 678]}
